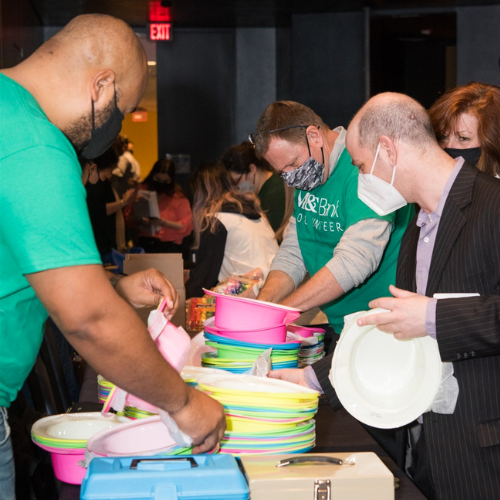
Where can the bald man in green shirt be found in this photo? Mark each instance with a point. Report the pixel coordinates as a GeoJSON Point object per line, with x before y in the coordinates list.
{"type": "Point", "coordinates": [73, 93]}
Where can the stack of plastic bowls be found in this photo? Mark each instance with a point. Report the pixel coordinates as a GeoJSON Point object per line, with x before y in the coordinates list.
{"type": "Point", "coordinates": [263, 415]}
{"type": "Point", "coordinates": [65, 437]}
{"type": "Point", "coordinates": [242, 329]}
{"type": "Point", "coordinates": [103, 388]}
{"type": "Point", "coordinates": [134, 413]}
{"type": "Point", "coordinates": [237, 356]}
{"type": "Point", "coordinates": [313, 346]}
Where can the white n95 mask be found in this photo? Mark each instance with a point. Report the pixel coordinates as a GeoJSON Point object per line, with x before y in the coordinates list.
{"type": "Point", "coordinates": [383, 198]}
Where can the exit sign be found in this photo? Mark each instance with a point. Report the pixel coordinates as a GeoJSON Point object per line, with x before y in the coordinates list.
{"type": "Point", "coordinates": [161, 32]}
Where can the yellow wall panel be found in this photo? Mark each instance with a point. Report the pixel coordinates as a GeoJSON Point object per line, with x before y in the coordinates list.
{"type": "Point", "coordinates": [144, 136]}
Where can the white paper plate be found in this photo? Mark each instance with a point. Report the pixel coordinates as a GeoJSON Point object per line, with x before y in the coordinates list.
{"type": "Point", "coordinates": [75, 425]}
{"type": "Point", "coordinates": [249, 383]}
{"type": "Point", "coordinates": [382, 381]}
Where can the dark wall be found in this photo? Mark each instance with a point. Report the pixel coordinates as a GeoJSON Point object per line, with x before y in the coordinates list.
{"type": "Point", "coordinates": [409, 55]}
{"type": "Point", "coordinates": [256, 77]}
{"type": "Point", "coordinates": [195, 90]}
{"type": "Point", "coordinates": [328, 64]}
{"type": "Point", "coordinates": [283, 64]}
{"type": "Point", "coordinates": [416, 68]}
{"type": "Point", "coordinates": [478, 44]}
{"type": "Point", "coordinates": [20, 32]}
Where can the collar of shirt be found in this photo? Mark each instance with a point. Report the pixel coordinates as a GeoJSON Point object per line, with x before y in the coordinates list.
{"type": "Point", "coordinates": [337, 149]}
{"type": "Point", "coordinates": [428, 222]}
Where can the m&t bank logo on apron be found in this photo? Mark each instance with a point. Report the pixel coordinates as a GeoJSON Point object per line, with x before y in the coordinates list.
{"type": "Point", "coordinates": [316, 212]}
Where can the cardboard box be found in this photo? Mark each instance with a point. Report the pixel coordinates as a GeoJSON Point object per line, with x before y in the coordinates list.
{"type": "Point", "coordinates": [171, 266]}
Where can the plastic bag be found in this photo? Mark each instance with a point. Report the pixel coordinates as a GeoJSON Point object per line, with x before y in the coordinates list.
{"type": "Point", "coordinates": [240, 285]}
{"type": "Point", "coordinates": [173, 343]}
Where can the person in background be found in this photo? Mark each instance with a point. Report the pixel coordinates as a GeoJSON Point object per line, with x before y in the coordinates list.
{"type": "Point", "coordinates": [254, 175]}
{"type": "Point", "coordinates": [127, 172]}
{"type": "Point", "coordinates": [72, 94]}
{"type": "Point", "coordinates": [104, 207]}
{"type": "Point", "coordinates": [465, 121]}
{"type": "Point", "coordinates": [176, 219]}
{"type": "Point", "coordinates": [232, 233]}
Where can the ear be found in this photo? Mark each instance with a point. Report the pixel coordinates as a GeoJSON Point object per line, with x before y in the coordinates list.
{"type": "Point", "coordinates": [387, 145]}
{"type": "Point", "coordinates": [314, 135]}
{"type": "Point", "coordinates": [252, 168]}
{"type": "Point", "coordinates": [103, 84]}
{"type": "Point", "coordinates": [93, 173]}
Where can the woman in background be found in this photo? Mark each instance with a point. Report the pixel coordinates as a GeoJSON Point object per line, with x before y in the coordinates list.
{"type": "Point", "coordinates": [253, 175]}
{"type": "Point", "coordinates": [232, 234]}
{"type": "Point", "coordinates": [165, 234]}
{"type": "Point", "coordinates": [466, 123]}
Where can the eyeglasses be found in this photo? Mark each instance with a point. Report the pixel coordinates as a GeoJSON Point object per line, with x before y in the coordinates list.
{"type": "Point", "coordinates": [252, 137]}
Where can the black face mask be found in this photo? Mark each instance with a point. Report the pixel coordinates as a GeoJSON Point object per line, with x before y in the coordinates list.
{"type": "Point", "coordinates": [470, 155]}
{"type": "Point", "coordinates": [102, 138]}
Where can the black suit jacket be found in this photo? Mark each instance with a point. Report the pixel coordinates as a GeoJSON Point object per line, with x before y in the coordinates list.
{"type": "Point", "coordinates": [463, 449]}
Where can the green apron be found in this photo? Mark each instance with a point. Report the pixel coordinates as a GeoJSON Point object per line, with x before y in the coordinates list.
{"type": "Point", "coordinates": [323, 215]}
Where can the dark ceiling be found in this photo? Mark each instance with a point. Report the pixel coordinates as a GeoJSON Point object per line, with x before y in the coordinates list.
{"type": "Point", "coordinates": [218, 13]}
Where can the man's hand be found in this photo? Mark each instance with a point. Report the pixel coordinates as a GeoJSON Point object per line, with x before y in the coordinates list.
{"type": "Point", "coordinates": [406, 319]}
{"type": "Point", "coordinates": [294, 375]}
{"type": "Point", "coordinates": [202, 419]}
{"type": "Point", "coordinates": [255, 274]}
{"type": "Point", "coordinates": [148, 288]}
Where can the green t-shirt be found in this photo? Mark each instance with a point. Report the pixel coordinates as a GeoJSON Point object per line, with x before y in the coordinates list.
{"type": "Point", "coordinates": [323, 215]}
{"type": "Point", "coordinates": [44, 224]}
{"type": "Point", "coordinates": [272, 199]}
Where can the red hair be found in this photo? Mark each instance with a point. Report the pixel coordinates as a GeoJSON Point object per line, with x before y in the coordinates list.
{"type": "Point", "coordinates": [481, 100]}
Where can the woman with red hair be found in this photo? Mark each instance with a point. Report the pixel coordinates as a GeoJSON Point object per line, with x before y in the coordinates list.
{"type": "Point", "coordinates": [466, 122]}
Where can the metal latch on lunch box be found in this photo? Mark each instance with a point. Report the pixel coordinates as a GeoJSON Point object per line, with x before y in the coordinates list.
{"type": "Point", "coordinates": [322, 489]}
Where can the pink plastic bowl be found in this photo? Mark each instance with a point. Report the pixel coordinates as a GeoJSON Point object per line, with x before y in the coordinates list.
{"type": "Point", "coordinates": [146, 436]}
{"type": "Point", "coordinates": [273, 335]}
{"type": "Point", "coordinates": [66, 467]}
{"type": "Point", "coordinates": [304, 331]}
{"type": "Point", "coordinates": [65, 463]}
{"type": "Point", "coordinates": [238, 313]}
{"type": "Point", "coordinates": [64, 451]}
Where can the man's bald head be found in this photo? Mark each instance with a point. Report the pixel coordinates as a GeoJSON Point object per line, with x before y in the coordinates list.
{"type": "Point", "coordinates": [396, 116]}
{"type": "Point", "coordinates": [84, 75]}
{"type": "Point", "coordinates": [94, 41]}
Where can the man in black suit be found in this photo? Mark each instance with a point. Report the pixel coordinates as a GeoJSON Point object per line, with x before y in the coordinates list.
{"type": "Point", "coordinates": [452, 246]}
{"type": "Point", "coordinates": [457, 456]}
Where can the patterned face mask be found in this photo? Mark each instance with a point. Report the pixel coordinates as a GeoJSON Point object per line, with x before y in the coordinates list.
{"type": "Point", "coordinates": [306, 177]}
{"type": "Point", "coordinates": [309, 175]}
